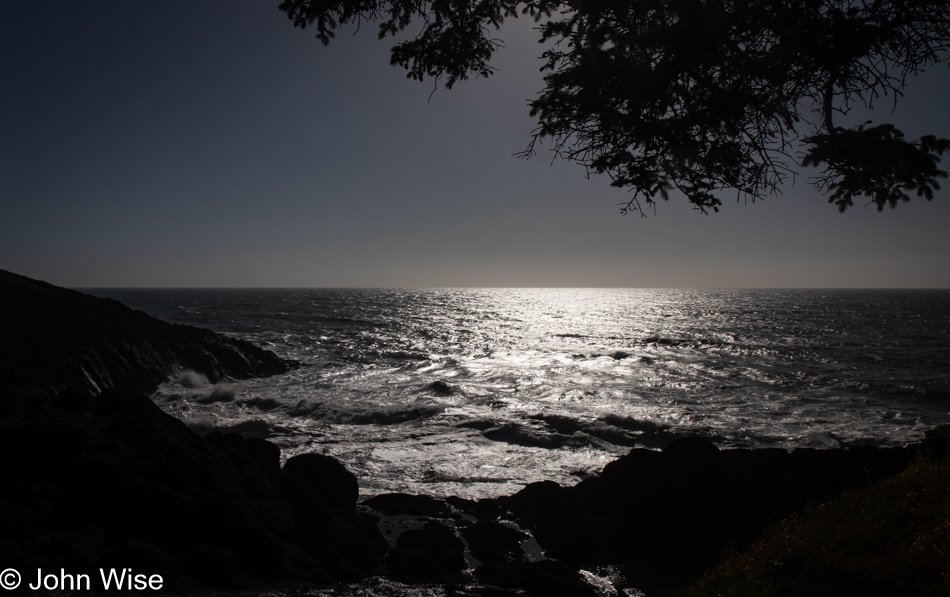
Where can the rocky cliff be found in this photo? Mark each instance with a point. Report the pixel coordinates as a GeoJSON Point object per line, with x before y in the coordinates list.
{"type": "Point", "coordinates": [55, 340]}
{"type": "Point", "coordinates": [95, 475]}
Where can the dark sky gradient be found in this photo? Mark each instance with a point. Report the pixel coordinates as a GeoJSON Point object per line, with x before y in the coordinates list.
{"type": "Point", "coordinates": [181, 143]}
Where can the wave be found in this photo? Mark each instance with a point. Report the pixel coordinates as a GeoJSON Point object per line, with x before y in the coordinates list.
{"type": "Point", "coordinates": [559, 423]}
{"type": "Point", "coordinates": [190, 379]}
{"type": "Point", "coordinates": [261, 403]}
{"type": "Point", "coordinates": [824, 440]}
{"type": "Point", "coordinates": [518, 435]}
{"type": "Point", "coordinates": [634, 424]}
{"type": "Point", "coordinates": [530, 437]}
{"type": "Point", "coordinates": [559, 431]}
{"type": "Point", "coordinates": [383, 415]}
{"type": "Point", "coordinates": [432, 476]}
{"type": "Point", "coordinates": [614, 434]}
{"type": "Point", "coordinates": [255, 427]}
{"type": "Point", "coordinates": [220, 393]}
{"type": "Point", "coordinates": [390, 416]}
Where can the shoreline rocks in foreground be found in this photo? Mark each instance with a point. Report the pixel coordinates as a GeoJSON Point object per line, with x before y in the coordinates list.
{"type": "Point", "coordinates": [96, 475]}
{"type": "Point", "coordinates": [651, 521]}
{"type": "Point", "coordinates": [115, 482]}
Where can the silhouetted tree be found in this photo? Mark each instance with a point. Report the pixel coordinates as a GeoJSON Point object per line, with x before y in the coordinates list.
{"type": "Point", "coordinates": [694, 95]}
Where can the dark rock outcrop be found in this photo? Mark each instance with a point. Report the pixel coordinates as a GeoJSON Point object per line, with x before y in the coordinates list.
{"type": "Point", "coordinates": [122, 482]}
{"type": "Point", "coordinates": [58, 341]}
{"type": "Point", "coordinates": [101, 477]}
{"type": "Point", "coordinates": [672, 514]}
{"type": "Point", "coordinates": [431, 554]}
{"type": "Point", "coordinates": [415, 505]}
{"type": "Point", "coordinates": [546, 578]}
{"type": "Point", "coordinates": [491, 541]}
{"type": "Point", "coordinates": [655, 520]}
{"type": "Point", "coordinates": [335, 485]}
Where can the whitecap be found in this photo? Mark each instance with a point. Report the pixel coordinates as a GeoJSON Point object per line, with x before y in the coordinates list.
{"type": "Point", "coordinates": [823, 440]}
{"type": "Point", "coordinates": [191, 379]}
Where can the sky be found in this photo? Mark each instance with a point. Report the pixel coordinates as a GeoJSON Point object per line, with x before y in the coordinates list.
{"type": "Point", "coordinates": [173, 143]}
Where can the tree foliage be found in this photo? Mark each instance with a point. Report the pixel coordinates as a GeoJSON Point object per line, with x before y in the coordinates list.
{"type": "Point", "coordinates": [878, 163]}
{"type": "Point", "coordinates": [696, 96]}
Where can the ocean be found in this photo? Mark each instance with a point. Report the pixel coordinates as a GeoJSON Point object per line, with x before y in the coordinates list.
{"type": "Point", "coordinates": [477, 392]}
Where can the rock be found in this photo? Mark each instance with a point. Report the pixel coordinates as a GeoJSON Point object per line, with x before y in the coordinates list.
{"type": "Point", "coordinates": [346, 545]}
{"type": "Point", "coordinates": [691, 448]}
{"type": "Point", "coordinates": [547, 578]}
{"type": "Point", "coordinates": [674, 512]}
{"type": "Point", "coordinates": [264, 454]}
{"type": "Point", "coordinates": [442, 388]}
{"type": "Point", "coordinates": [628, 472]}
{"type": "Point", "coordinates": [480, 509]}
{"type": "Point", "coordinates": [84, 448]}
{"type": "Point", "coordinates": [215, 566]}
{"type": "Point", "coordinates": [57, 340]}
{"type": "Point", "coordinates": [536, 498]}
{"type": "Point", "coordinates": [936, 442]}
{"type": "Point", "coordinates": [490, 541]}
{"type": "Point", "coordinates": [145, 479]}
{"type": "Point", "coordinates": [430, 554]}
{"type": "Point", "coordinates": [335, 485]}
{"type": "Point", "coordinates": [141, 555]}
{"type": "Point", "coordinates": [403, 503]}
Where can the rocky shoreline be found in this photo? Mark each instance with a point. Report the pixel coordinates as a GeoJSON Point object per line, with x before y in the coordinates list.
{"type": "Point", "coordinates": [96, 475]}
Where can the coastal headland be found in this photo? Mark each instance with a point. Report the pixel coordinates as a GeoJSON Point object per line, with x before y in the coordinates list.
{"type": "Point", "coordinates": [100, 483]}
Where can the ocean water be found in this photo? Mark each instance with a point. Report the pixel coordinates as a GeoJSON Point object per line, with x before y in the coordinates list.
{"type": "Point", "coordinates": [475, 393]}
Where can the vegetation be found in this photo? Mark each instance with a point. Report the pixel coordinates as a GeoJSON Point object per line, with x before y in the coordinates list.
{"type": "Point", "coordinates": [696, 96]}
{"type": "Point", "coordinates": [889, 540]}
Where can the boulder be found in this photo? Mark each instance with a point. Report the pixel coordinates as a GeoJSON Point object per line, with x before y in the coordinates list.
{"type": "Point", "coordinates": [491, 541]}
{"type": "Point", "coordinates": [431, 554]}
{"type": "Point", "coordinates": [336, 486]}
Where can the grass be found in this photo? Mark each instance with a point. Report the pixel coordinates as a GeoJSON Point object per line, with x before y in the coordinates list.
{"type": "Point", "coordinates": [891, 539]}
